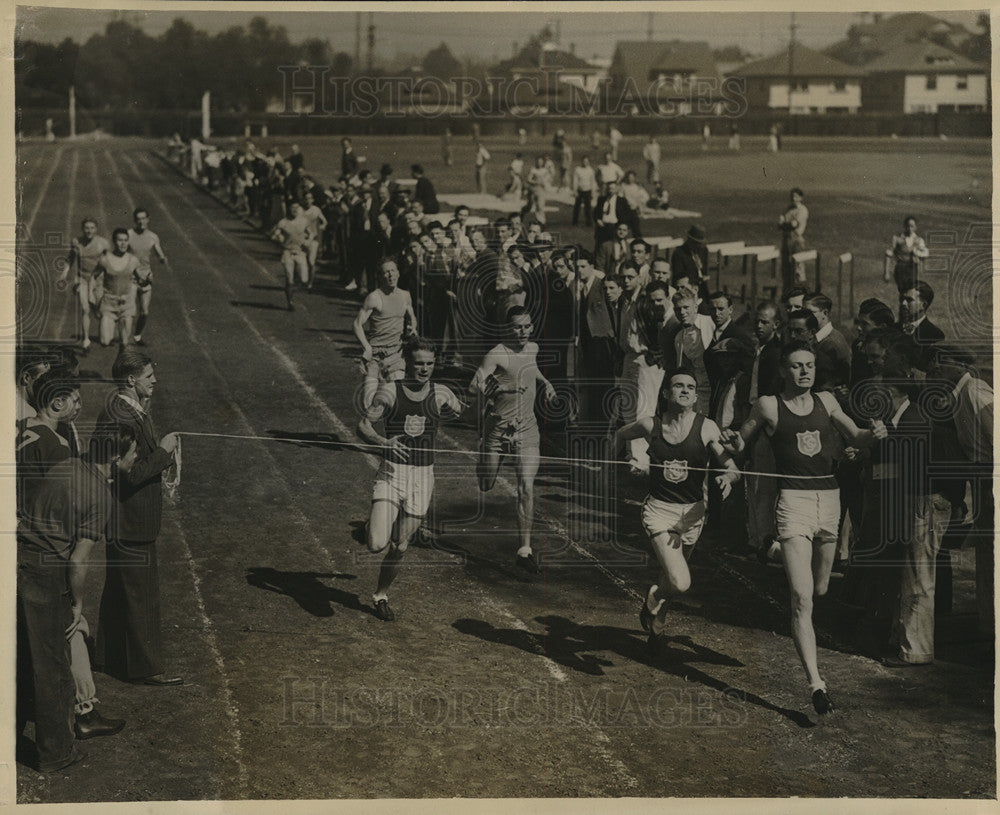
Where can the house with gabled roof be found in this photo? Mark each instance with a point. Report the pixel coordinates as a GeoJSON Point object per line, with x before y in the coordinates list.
{"type": "Point", "coordinates": [663, 76]}
{"type": "Point", "coordinates": [799, 80]}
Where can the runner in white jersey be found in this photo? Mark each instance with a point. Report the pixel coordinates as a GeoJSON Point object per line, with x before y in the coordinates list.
{"type": "Point", "coordinates": [388, 313]}
{"type": "Point", "coordinates": [317, 224]}
{"type": "Point", "coordinates": [143, 242]}
{"type": "Point", "coordinates": [117, 270]}
{"type": "Point", "coordinates": [84, 254]}
{"type": "Point", "coordinates": [508, 378]}
{"type": "Point", "coordinates": [294, 234]}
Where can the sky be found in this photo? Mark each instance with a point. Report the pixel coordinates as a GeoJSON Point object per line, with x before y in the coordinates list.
{"type": "Point", "coordinates": [488, 36]}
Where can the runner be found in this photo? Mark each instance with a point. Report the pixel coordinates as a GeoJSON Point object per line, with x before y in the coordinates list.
{"type": "Point", "coordinates": [84, 255]}
{"type": "Point", "coordinates": [410, 410]}
{"type": "Point", "coordinates": [805, 431]}
{"type": "Point", "coordinates": [317, 224]}
{"type": "Point", "coordinates": [143, 242]}
{"type": "Point", "coordinates": [117, 270]}
{"type": "Point", "coordinates": [389, 313]}
{"type": "Point", "coordinates": [508, 378]}
{"type": "Point", "coordinates": [680, 441]}
{"type": "Point", "coordinates": [295, 236]}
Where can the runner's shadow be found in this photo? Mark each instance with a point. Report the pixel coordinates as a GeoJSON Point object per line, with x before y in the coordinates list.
{"type": "Point", "coordinates": [249, 304]}
{"type": "Point", "coordinates": [573, 645]}
{"type": "Point", "coordinates": [306, 589]}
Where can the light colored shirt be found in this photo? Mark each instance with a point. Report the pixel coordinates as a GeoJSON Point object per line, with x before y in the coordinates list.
{"type": "Point", "coordinates": [584, 179]}
{"type": "Point", "coordinates": [974, 418]}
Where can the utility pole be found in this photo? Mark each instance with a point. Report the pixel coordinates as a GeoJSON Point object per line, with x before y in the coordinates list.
{"type": "Point", "coordinates": [791, 61]}
{"type": "Point", "coordinates": [72, 112]}
{"type": "Point", "coordinates": [649, 26]}
{"type": "Point", "coordinates": [357, 41]}
{"type": "Point", "coordinates": [371, 40]}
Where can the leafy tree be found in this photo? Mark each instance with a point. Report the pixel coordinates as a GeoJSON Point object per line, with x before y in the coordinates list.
{"type": "Point", "coordinates": [441, 63]}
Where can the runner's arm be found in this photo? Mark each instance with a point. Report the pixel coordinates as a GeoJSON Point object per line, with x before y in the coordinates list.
{"type": "Point", "coordinates": [409, 318]}
{"type": "Point", "coordinates": [359, 325]}
{"type": "Point", "coordinates": [485, 370]}
{"type": "Point", "coordinates": [711, 435]}
{"type": "Point", "coordinates": [159, 251]}
{"type": "Point", "coordinates": [366, 428]}
{"type": "Point", "coordinates": [848, 429]}
{"type": "Point", "coordinates": [640, 429]}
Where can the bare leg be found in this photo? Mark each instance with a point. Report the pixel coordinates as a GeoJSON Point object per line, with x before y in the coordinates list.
{"type": "Point", "coordinates": [487, 469]}
{"type": "Point", "coordinates": [144, 299]}
{"type": "Point", "coordinates": [799, 567]}
{"type": "Point", "coordinates": [527, 469]}
{"type": "Point", "coordinates": [83, 294]}
{"type": "Point", "coordinates": [406, 527]}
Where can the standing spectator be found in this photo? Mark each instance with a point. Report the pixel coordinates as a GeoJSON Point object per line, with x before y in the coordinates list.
{"type": "Point", "coordinates": [718, 363]}
{"type": "Point", "coordinates": [348, 161]}
{"type": "Point", "coordinates": [424, 191]}
{"type": "Point", "coordinates": [129, 637]}
{"type": "Point", "coordinates": [683, 342]}
{"type": "Point", "coordinates": [364, 246]}
{"type": "Point", "coordinates": [908, 250]}
{"type": "Point", "coordinates": [584, 187]}
{"type": "Point", "coordinates": [832, 349]}
{"type": "Point", "coordinates": [522, 136]}
{"type": "Point", "coordinates": [690, 260]}
{"type": "Point", "coordinates": [597, 341]}
{"type": "Point", "coordinates": [539, 182]}
{"type": "Point", "coordinates": [792, 223]}
{"type": "Point", "coordinates": [613, 253]}
{"type": "Point", "coordinates": [734, 137]}
{"type": "Point", "coordinates": [67, 514]}
{"type": "Point", "coordinates": [706, 135]}
{"type": "Point", "coordinates": [773, 142]}
{"type": "Point", "coordinates": [446, 153]}
{"type": "Point", "coordinates": [482, 157]}
{"type": "Point", "coordinates": [651, 155]}
{"type": "Point", "coordinates": [636, 196]}
{"type": "Point", "coordinates": [610, 210]}
{"type": "Point", "coordinates": [610, 170]}
{"type": "Point", "coordinates": [914, 323]}
{"type": "Point", "coordinates": [614, 139]}
{"type": "Point", "coordinates": [872, 314]}
{"type": "Point", "coordinates": [565, 163]}
{"type": "Point", "coordinates": [296, 159]}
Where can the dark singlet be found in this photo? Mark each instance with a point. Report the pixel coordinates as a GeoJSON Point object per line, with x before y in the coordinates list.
{"type": "Point", "coordinates": [671, 478]}
{"type": "Point", "coordinates": [415, 420]}
{"type": "Point", "coordinates": [806, 446]}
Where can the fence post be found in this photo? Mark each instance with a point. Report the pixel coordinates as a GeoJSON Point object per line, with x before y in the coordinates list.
{"type": "Point", "coordinates": [843, 261]}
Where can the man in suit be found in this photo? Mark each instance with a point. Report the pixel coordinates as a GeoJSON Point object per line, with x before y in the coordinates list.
{"type": "Point", "coordinates": [913, 320]}
{"type": "Point", "coordinates": [129, 640]}
{"type": "Point", "coordinates": [765, 380]}
{"type": "Point", "coordinates": [424, 192]}
{"type": "Point", "coordinates": [611, 254]}
{"type": "Point", "coordinates": [719, 365]}
{"type": "Point", "coordinates": [690, 260]}
{"type": "Point", "coordinates": [364, 246]}
{"type": "Point", "coordinates": [683, 342]}
{"type": "Point", "coordinates": [348, 161]}
{"type": "Point", "coordinates": [610, 210]}
{"type": "Point", "coordinates": [597, 340]}
{"type": "Point", "coordinates": [832, 345]}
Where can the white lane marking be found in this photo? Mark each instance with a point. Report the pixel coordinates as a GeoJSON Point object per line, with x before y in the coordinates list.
{"type": "Point", "coordinates": [69, 304]}
{"type": "Point", "coordinates": [29, 222]}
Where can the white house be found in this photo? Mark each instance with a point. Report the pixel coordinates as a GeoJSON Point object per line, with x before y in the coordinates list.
{"type": "Point", "coordinates": [799, 80]}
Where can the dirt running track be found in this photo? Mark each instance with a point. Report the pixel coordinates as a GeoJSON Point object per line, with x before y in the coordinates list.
{"type": "Point", "coordinates": [486, 686]}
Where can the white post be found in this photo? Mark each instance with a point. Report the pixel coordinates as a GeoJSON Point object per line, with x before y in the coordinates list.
{"type": "Point", "coordinates": [72, 112]}
{"type": "Point", "coordinates": [206, 116]}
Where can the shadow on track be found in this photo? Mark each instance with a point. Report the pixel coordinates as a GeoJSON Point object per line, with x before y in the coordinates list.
{"type": "Point", "coordinates": [306, 589]}
{"type": "Point", "coordinates": [573, 646]}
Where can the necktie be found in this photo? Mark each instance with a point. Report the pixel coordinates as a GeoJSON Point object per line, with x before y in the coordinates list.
{"type": "Point", "coordinates": [754, 382]}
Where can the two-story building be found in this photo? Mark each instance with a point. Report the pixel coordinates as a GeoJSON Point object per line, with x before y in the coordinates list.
{"type": "Point", "coordinates": [799, 80]}
{"type": "Point", "coordinates": [663, 77]}
{"type": "Point", "coordinates": [922, 77]}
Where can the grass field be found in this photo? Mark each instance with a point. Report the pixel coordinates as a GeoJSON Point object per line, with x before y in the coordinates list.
{"type": "Point", "coordinates": [487, 685]}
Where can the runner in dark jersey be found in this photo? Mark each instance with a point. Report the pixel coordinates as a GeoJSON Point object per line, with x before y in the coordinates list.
{"type": "Point", "coordinates": [681, 445]}
{"type": "Point", "coordinates": [410, 410]}
{"type": "Point", "coordinates": [805, 431]}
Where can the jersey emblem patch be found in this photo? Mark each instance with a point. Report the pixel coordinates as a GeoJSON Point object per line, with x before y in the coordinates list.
{"type": "Point", "coordinates": [809, 442]}
{"type": "Point", "coordinates": [675, 471]}
{"type": "Point", "coordinates": [414, 425]}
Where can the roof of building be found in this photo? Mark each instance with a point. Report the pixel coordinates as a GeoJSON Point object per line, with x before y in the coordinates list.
{"type": "Point", "coordinates": [922, 57]}
{"type": "Point", "coordinates": [530, 58]}
{"type": "Point", "coordinates": [637, 60]}
{"type": "Point", "coordinates": [867, 41]}
{"type": "Point", "coordinates": [804, 63]}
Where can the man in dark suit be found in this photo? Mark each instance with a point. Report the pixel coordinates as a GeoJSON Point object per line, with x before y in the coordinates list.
{"type": "Point", "coordinates": [597, 342]}
{"type": "Point", "coordinates": [348, 161]}
{"type": "Point", "coordinates": [424, 192]}
{"type": "Point", "coordinates": [913, 320]}
{"type": "Point", "coordinates": [832, 344]}
{"type": "Point", "coordinates": [364, 244]}
{"type": "Point", "coordinates": [719, 365]}
{"type": "Point", "coordinates": [611, 254]}
{"type": "Point", "coordinates": [610, 210]}
{"type": "Point", "coordinates": [690, 260]}
{"type": "Point", "coordinates": [129, 640]}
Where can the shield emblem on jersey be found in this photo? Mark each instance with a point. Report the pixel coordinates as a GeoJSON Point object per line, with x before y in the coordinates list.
{"type": "Point", "coordinates": [414, 425]}
{"type": "Point", "coordinates": [809, 442]}
{"type": "Point", "coordinates": [675, 471]}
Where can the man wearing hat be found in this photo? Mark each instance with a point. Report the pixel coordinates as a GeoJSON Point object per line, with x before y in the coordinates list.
{"type": "Point", "coordinates": [690, 260]}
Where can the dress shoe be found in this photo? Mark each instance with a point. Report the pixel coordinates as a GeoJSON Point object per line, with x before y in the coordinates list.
{"type": "Point", "coordinates": [76, 756]}
{"type": "Point", "coordinates": [92, 724]}
{"type": "Point", "coordinates": [160, 680]}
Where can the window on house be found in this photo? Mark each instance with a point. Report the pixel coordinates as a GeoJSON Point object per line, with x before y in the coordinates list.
{"type": "Point", "coordinates": [840, 85]}
{"type": "Point", "coordinates": [962, 82]}
{"type": "Point", "coordinates": [931, 83]}
{"type": "Point", "coordinates": [801, 85]}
